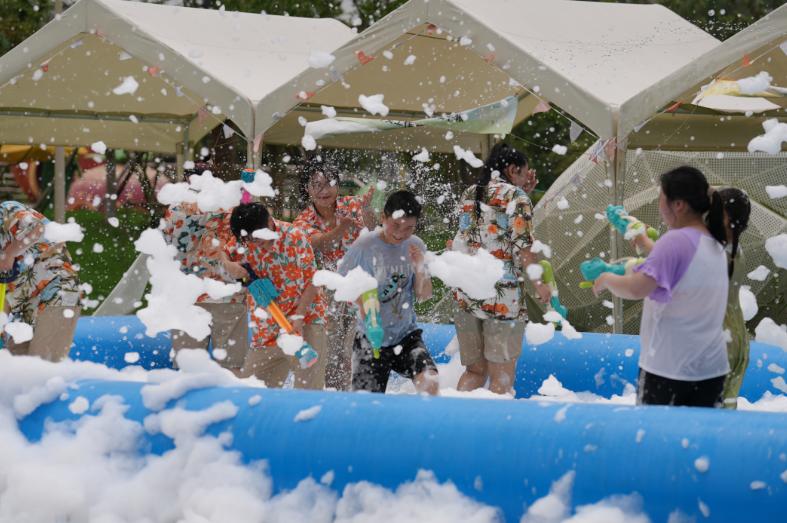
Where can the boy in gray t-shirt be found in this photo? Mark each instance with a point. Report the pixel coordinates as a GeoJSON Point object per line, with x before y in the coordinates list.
{"type": "Point", "coordinates": [395, 257]}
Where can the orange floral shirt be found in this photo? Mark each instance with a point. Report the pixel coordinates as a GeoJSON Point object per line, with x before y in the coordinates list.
{"type": "Point", "coordinates": [312, 223]}
{"type": "Point", "coordinates": [290, 265]}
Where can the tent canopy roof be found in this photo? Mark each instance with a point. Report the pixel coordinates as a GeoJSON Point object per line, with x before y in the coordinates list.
{"type": "Point", "coordinates": [194, 68]}
{"type": "Point", "coordinates": [589, 58]}
{"type": "Point", "coordinates": [760, 47]}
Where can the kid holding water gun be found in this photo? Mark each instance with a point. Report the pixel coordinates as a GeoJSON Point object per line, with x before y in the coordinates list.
{"type": "Point", "coordinates": [737, 209]}
{"type": "Point", "coordinates": [263, 247]}
{"type": "Point", "coordinates": [684, 282]}
{"type": "Point", "coordinates": [332, 224]}
{"type": "Point", "coordinates": [395, 257]}
{"type": "Point", "coordinates": [495, 214]}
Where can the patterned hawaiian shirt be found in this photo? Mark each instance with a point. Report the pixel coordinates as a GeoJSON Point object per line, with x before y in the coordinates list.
{"type": "Point", "coordinates": [504, 229]}
{"type": "Point", "coordinates": [46, 274]}
{"type": "Point", "coordinates": [192, 232]}
{"type": "Point", "coordinates": [312, 223]}
{"type": "Point", "coordinates": [290, 265]}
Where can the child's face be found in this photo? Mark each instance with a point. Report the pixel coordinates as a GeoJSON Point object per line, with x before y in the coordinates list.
{"type": "Point", "coordinates": [517, 174]}
{"type": "Point", "coordinates": [322, 191]}
{"type": "Point", "coordinates": [667, 211]}
{"type": "Point", "coordinates": [397, 230]}
{"type": "Point", "coordinates": [264, 244]}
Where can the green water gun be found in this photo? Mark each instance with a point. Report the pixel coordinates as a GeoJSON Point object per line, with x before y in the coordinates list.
{"type": "Point", "coordinates": [370, 304]}
{"type": "Point", "coordinates": [548, 277]}
{"type": "Point", "coordinates": [378, 200]}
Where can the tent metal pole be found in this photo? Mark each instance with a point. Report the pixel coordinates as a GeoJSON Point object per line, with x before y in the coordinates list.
{"type": "Point", "coordinates": [617, 168]}
{"type": "Point", "coordinates": [84, 115]}
{"type": "Point", "coordinates": [250, 159]}
{"type": "Point", "coordinates": [179, 164]}
{"type": "Point", "coordinates": [111, 184]}
{"type": "Point", "coordinates": [184, 155]}
{"type": "Point", "coordinates": [60, 184]}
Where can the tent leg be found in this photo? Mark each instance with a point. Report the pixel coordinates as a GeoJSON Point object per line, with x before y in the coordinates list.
{"type": "Point", "coordinates": [179, 159]}
{"type": "Point", "coordinates": [250, 159]}
{"type": "Point", "coordinates": [111, 198]}
{"type": "Point", "coordinates": [617, 165]}
{"type": "Point", "coordinates": [60, 184]}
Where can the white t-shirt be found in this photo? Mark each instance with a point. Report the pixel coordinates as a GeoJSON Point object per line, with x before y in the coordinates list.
{"type": "Point", "coordinates": [682, 320]}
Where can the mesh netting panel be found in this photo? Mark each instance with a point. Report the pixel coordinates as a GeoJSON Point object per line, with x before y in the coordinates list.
{"type": "Point", "coordinates": [570, 219]}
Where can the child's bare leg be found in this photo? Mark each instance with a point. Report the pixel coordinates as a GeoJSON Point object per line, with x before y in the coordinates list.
{"type": "Point", "coordinates": [474, 376]}
{"type": "Point", "coordinates": [501, 376]}
{"type": "Point", "coordinates": [427, 382]}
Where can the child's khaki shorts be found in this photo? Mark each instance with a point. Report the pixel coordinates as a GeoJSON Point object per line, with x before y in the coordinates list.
{"type": "Point", "coordinates": [496, 341]}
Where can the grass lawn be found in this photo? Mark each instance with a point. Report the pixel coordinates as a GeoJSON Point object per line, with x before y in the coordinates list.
{"type": "Point", "coordinates": [106, 251]}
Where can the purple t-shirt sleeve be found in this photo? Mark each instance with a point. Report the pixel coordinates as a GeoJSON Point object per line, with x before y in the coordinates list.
{"type": "Point", "coordinates": [669, 260]}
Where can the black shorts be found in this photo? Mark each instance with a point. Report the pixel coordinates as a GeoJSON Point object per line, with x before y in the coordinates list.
{"type": "Point", "coordinates": [657, 390]}
{"type": "Point", "coordinates": [372, 374]}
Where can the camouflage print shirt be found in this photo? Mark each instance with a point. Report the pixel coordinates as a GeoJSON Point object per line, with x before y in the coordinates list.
{"type": "Point", "coordinates": [192, 232]}
{"type": "Point", "coordinates": [46, 274]}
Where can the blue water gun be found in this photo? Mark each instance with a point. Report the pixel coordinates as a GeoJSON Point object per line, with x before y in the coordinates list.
{"type": "Point", "coordinates": [264, 294]}
{"type": "Point", "coordinates": [628, 225]}
{"type": "Point", "coordinates": [592, 269]}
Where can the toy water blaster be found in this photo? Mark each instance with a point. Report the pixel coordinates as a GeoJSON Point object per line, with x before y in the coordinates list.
{"type": "Point", "coordinates": [264, 294]}
{"type": "Point", "coordinates": [6, 278]}
{"type": "Point", "coordinates": [627, 225]}
{"type": "Point", "coordinates": [548, 277]}
{"type": "Point", "coordinates": [247, 175]}
{"type": "Point", "coordinates": [370, 303]}
{"type": "Point", "coordinates": [592, 269]}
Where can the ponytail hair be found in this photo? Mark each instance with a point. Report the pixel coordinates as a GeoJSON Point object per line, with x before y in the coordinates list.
{"type": "Point", "coordinates": [690, 185]}
{"type": "Point", "coordinates": [737, 209]}
{"type": "Point", "coordinates": [501, 156]}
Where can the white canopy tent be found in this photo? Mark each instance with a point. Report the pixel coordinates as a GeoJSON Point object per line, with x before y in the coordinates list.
{"type": "Point", "coordinates": [713, 140]}
{"type": "Point", "coordinates": [588, 58]}
{"type": "Point", "coordinates": [150, 77]}
{"type": "Point", "coordinates": [193, 68]}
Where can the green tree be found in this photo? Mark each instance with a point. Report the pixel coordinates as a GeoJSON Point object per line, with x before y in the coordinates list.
{"type": "Point", "coordinates": [21, 18]}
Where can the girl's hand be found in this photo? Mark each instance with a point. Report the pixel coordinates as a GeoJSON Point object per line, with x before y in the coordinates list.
{"type": "Point", "coordinates": [600, 284]}
{"type": "Point", "coordinates": [6, 262]}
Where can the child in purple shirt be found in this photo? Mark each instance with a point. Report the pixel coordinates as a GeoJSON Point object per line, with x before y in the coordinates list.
{"type": "Point", "coordinates": [683, 357]}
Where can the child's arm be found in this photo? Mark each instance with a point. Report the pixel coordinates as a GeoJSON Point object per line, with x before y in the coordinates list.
{"type": "Point", "coordinates": [308, 265]}
{"type": "Point", "coordinates": [642, 243]}
{"type": "Point", "coordinates": [634, 286]}
{"type": "Point", "coordinates": [233, 268]}
{"type": "Point", "coordinates": [308, 296]}
{"type": "Point", "coordinates": [423, 282]}
{"type": "Point", "coordinates": [368, 215]}
{"type": "Point", "coordinates": [528, 257]}
{"type": "Point", "coordinates": [324, 242]}
{"type": "Point", "coordinates": [19, 244]}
